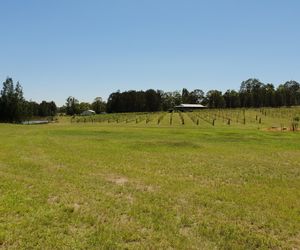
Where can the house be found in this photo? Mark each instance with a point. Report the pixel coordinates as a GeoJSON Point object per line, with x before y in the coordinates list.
{"type": "Point", "coordinates": [189, 107]}
{"type": "Point", "coordinates": [88, 112]}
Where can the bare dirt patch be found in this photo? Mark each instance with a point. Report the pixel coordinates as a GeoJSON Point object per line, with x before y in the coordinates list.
{"type": "Point", "coordinates": [53, 200]}
{"type": "Point", "coordinates": [185, 231]}
{"type": "Point", "coordinates": [118, 180]}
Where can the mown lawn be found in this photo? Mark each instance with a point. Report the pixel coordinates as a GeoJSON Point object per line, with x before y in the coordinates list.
{"type": "Point", "coordinates": [91, 186]}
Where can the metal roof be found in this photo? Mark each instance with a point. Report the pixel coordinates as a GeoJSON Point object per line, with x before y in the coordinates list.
{"type": "Point", "coordinates": [190, 106]}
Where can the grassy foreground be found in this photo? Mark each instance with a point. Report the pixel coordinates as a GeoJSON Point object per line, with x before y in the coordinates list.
{"type": "Point", "coordinates": [79, 186]}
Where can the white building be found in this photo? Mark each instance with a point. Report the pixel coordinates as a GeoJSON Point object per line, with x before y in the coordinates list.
{"type": "Point", "coordinates": [184, 107]}
{"type": "Point", "coordinates": [88, 112]}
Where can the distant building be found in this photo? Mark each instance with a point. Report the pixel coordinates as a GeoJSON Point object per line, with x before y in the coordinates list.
{"type": "Point", "coordinates": [88, 112]}
{"type": "Point", "coordinates": [189, 107]}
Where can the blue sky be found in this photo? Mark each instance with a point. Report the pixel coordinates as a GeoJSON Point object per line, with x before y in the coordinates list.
{"type": "Point", "coordinates": [90, 48]}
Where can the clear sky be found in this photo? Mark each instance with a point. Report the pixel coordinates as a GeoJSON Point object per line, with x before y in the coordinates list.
{"type": "Point", "coordinates": [90, 48]}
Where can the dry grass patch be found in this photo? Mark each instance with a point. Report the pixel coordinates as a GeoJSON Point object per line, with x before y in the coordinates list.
{"type": "Point", "coordinates": [118, 180]}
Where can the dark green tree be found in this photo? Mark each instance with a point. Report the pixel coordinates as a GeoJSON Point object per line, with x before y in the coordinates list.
{"type": "Point", "coordinates": [196, 96]}
{"type": "Point", "coordinates": [215, 99]}
{"type": "Point", "coordinates": [185, 96]}
{"type": "Point", "coordinates": [12, 102]}
{"type": "Point", "coordinates": [98, 105]}
{"type": "Point", "coordinates": [232, 99]}
{"type": "Point", "coordinates": [72, 106]}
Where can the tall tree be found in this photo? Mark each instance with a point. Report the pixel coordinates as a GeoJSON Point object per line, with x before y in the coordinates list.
{"type": "Point", "coordinates": [196, 96]}
{"type": "Point", "coordinates": [292, 93]}
{"type": "Point", "coordinates": [215, 99]}
{"type": "Point", "coordinates": [232, 99]}
{"type": "Point", "coordinates": [98, 105]}
{"type": "Point", "coordinates": [47, 109]}
{"type": "Point", "coordinates": [269, 95]}
{"type": "Point", "coordinates": [152, 100]}
{"type": "Point", "coordinates": [185, 96]}
{"type": "Point", "coordinates": [72, 106]}
{"type": "Point", "coordinates": [83, 106]}
{"type": "Point", "coordinates": [12, 102]}
{"type": "Point", "coordinates": [251, 93]}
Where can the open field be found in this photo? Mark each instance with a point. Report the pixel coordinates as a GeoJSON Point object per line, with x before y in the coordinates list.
{"type": "Point", "coordinates": [129, 184]}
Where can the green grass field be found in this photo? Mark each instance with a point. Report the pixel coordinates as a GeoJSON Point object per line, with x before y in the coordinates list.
{"type": "Point", "coordinates": [147, 186]}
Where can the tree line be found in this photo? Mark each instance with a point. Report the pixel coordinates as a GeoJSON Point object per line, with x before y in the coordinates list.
{"type": "Point", "coordinates": [252, 93]}
{"type": "Point", "coordinates": [14, 108]}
